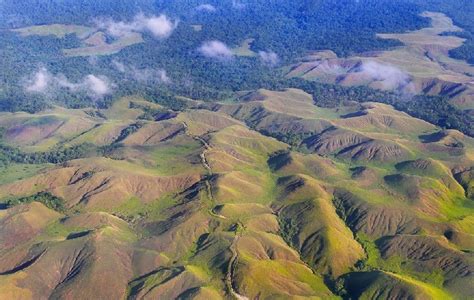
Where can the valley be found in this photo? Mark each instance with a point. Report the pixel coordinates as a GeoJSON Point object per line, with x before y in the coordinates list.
{"type": "Point", "coordinates": [225, 202]}
{"type": "Point", "coordinates": [248, 149]}
{"type": "Point", "coordinates": [421, 66]}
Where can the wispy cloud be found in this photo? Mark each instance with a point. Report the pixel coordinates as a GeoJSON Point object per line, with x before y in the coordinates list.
{"type": "Point", "coordinates": [39, 82]}
{"type": "Point", "coordinates": [390, 77]}
{"type": "Point", "coordinates": [159, 26]}
{"type": "Point", "coordinates": [237, 4]}
{"type": "Point", "coordinates": [206, 7]}
{"type": "Point", "coordinates": [122, 68]}
{"type": "Point", "coordinates": [144, 75]}
{"type": "Point", "coordinates": [216, 49]}
{"type": "Point", "coordinates": [44, 82]}
{"type": "Point", "coordinates": [151, 75]}
{"type": "Point", "coordinates": [97, 85]}
{"type": "Point", "coordinates": [269, 58]}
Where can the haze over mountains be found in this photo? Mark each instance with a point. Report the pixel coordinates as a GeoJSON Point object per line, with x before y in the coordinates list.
{"type": "Point", "coordinates": [236, 149]}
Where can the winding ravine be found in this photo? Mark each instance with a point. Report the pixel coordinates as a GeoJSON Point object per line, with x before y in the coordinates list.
{"type": "Point", "coordinates": [232, 247]}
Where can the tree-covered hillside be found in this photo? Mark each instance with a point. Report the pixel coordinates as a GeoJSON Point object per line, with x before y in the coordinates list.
{"type": "Point", "coordinates": [462, 12]}
{"type": "Point", "coordinates": [288, 30]}
{"type": "Point", "coordinates": [236, 149]}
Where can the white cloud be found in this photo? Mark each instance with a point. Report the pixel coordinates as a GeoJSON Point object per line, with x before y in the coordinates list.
{"type": "Point", "coordinates": [163, 76]}
{"type": "Point", "coordinates": [142, 75]}
{"type": "Point", "coordinates": [43, 82]}
{"type": "Point", "coordinates": [389, 76]}
{"type": "Point", "coordinates": [119, 66]}
{"type": "Point", "coordinates": [237, 4]}
{"type": "Point", "coordinates": [99, 86]}
{"type": "Point", "coordinates": [150, 75]}
{"type": "Point", "coordinates": [117, 29]}
{"type": "Point", "coordinates": [216, 49]}
{"type": "Point", "coordinates": [40, 81]}
{"type": "Point", "coordinates": [206, 7]}
{"type": "Point", "coordinates": [269, 57]}
{"type": "Point", "coordinates": [61, 81]}
{"type": "Point", "coordinates": [159, 26]}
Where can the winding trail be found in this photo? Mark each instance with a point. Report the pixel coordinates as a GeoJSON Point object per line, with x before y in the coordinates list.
{"type": "Point", "coordinates": [206, 166]}
{"type": "Point", "coordinates": [206, 145]}
{"type": "Point", "coordinates": [230, 268]}
{"type": "Point", "coordinates": [232, 248]}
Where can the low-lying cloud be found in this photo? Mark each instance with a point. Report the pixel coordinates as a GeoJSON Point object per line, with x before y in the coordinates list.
{"type": "Point", "coordinates": [159, 26]}
{"type": "Point", "coordinates": [97, 85]}
{"type": "Point", "coordinates": [269, 58]}
{"type": "Point", "coordinates": [216, 49]}
{"type": "Point", "coordinates": [44, 82]}
{"type": "Point", "coordinates": [144, 75]}
{"type": "Point", "coordinates": [237, 4]}
{"type": "Point", "coordinates": [389, 76]}
{"type": "Point", "coordinates": [206, 7]}
{"type": "Point", "coordinates": [40, 81]}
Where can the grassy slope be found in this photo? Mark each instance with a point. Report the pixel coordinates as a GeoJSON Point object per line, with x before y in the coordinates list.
{"type": "Point", "coordinates": [16, 172]}
{"type": "Point", "coordinates": [255, 207]}
{"type": "Point", "coordinates": [82, 33]}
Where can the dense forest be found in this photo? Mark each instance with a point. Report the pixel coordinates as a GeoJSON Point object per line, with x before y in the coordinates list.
{"type": "Point", "coordinates": [289, 28]}
{"type": "Point", "coordinates": [462, 13]}
{"type": "Point", "coordinates": [48, 199]}
{"type": "Point", "coordinates": [9, 155]}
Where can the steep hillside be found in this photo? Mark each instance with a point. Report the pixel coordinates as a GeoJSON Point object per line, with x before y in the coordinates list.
{"type": "Point", "coordinates": [268, 197]}
{"type": "Point", "coordinates": [422, 66]}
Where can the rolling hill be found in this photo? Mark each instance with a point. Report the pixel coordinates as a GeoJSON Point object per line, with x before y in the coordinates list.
{"type": "Point", "coordinates": [210, 201]}
{"type": "Point", "coordinates": [236, 149]}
